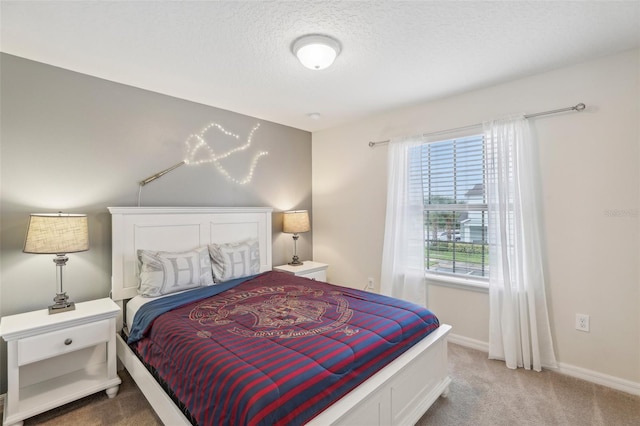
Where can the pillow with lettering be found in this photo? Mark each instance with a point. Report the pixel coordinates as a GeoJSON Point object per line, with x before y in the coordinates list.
{"type": "Point", "coordinates": [235, 260]}
{"type": "Point", "coordinates": [163, 272]}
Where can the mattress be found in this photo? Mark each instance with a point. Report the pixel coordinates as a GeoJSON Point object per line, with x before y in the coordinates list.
{"type": "Point", "coordinates": [274, 349]}
{"type": "Point", "coordinates": [133, 305]}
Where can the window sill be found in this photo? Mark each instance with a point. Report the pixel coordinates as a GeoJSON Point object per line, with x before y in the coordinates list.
{"type": "Point", "coordinates": [459, 283]}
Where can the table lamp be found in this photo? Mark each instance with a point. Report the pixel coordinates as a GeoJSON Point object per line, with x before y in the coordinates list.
{"type": "Point", "coordinates": [57, 234]}
{"type": "Point", "coordinates": [295, 222]}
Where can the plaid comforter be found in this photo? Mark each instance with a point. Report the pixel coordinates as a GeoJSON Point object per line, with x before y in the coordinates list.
{"type": "Point", "coordinates": [276, 349]}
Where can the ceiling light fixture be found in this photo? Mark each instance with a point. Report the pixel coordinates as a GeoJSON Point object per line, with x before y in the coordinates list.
{"type": "Point", "coordinates": [316, 51]}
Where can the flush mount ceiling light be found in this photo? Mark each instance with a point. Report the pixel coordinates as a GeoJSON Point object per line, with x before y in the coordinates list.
{"type": "Point", "coordinates": [316, 51]}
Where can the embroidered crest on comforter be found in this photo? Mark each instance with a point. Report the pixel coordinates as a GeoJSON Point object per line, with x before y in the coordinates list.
{"type": "Point", "coordinates": [278, 311]}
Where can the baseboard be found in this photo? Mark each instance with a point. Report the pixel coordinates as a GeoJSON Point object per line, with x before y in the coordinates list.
{"type": "Point", "coordinates": [569, 370]}
{"type": "Point", "coordinates": [469, 343]}
{"type": "Point", "coordinates": [599, 378]}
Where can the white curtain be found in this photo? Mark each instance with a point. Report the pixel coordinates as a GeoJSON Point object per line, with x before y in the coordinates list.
{"type": "Point", "coordinates": [402, 274]}
{"type": "Point", "coordinates": [519, 331]}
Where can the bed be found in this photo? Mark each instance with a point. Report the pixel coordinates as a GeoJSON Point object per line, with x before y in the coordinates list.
{"type": "Point", "coordinates": [398, 393]}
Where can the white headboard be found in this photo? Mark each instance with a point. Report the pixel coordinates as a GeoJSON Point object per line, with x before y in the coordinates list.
{"type": "Point", "coordinates": [178, 229]}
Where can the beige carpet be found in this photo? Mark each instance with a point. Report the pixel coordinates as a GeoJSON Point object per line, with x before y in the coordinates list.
{"type": "Point", "coordinates": [483, 392]}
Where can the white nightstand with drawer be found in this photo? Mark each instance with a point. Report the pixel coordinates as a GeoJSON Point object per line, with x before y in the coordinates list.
{"type": "Point", "coordinates": [309, 269]}
{"type": "Point", "coordinates": [56, 359]}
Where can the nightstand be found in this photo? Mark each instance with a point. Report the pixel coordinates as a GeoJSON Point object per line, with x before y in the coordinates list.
{"type": "Point", "coordinates": [56, 359]}
{"type": "Point", "coordinates": [309, 269]}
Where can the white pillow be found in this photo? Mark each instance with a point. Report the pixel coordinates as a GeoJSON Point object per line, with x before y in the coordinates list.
{"type": "Point", "coordinates": [164, 272]}
{"type": "Point", "coordinates": [235, 260]}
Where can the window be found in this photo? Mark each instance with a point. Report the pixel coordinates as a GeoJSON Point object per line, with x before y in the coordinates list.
{"type": "Point", "coordinates": [449, 176]}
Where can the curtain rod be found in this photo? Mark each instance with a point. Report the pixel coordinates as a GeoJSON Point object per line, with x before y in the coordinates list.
{"type": "Point", "coordinates": [579, 107]}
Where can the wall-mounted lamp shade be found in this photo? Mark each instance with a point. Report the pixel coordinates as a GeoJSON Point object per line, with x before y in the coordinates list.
{"type": "Point", "coordinates": [57, 233]}
{"type": "Point", "coordinates": [295, 222]}
{"type": "Point", "coordinates": [316, 51]}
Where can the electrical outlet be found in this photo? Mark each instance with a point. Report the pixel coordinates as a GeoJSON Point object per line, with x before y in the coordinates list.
{"type": "Point", "coordinates": [369, 283]}
{"type": "Point", "coordinates": [582, 322]}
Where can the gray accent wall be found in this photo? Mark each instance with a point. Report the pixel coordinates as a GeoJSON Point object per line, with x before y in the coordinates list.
{"type": "Point", "coordinates": [79, 144]}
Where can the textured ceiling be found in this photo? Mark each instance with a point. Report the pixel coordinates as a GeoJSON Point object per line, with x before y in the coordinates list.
{"type": "Point", "coordinates": [236, 55]}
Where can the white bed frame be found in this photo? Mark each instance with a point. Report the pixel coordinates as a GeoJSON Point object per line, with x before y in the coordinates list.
{"type": "Point", "coordinates": [399, 394]}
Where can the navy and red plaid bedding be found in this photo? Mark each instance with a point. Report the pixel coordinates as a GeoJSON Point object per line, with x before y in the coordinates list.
{"type": "Point", "coordinates": [277, 349]}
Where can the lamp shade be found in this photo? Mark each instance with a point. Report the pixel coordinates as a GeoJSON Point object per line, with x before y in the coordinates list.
{"type": "Point", "coordinates": [57, 233]}
{"type": "Point", "coordinates": [295, 222]}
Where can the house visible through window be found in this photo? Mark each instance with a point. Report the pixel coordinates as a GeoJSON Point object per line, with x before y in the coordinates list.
{"type": "Point", "coordinates": [449, 176]}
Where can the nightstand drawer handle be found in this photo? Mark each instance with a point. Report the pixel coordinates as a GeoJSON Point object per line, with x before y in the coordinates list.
{"type": "Point", "coordinates": [68, 342]}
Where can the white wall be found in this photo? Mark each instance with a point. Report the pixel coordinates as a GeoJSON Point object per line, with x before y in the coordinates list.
{"type": "Point", "coordinates": [590, 183]}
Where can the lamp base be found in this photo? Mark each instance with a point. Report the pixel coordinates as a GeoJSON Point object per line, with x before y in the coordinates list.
{"type": "Point", "coordinates": [295, 262]}
{"type": "Point", "coordinates": [62, 304]}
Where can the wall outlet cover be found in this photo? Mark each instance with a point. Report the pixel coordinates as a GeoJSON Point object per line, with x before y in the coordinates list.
{"type": "Point", "coordinates": [582, 322]}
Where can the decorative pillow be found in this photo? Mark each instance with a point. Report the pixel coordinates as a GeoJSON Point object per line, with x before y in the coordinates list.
{"type": "Point", "coordinates": [164, 272]}
{"type": "Point", "coordinates": [235, 260]}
